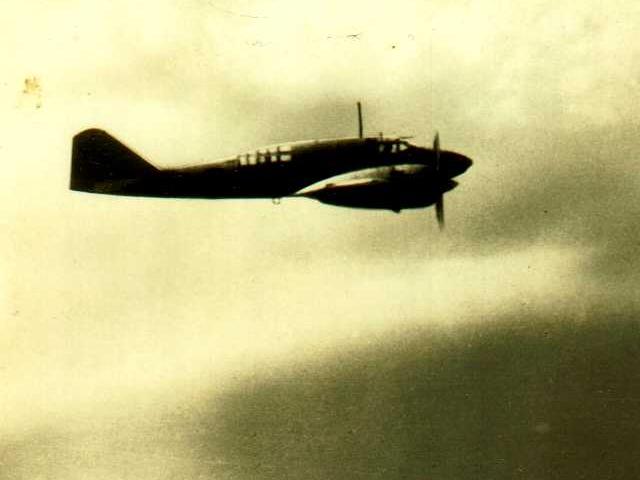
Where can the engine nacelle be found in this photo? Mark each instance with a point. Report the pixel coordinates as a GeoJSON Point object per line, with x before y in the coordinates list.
{"type": "Point", "coordinates": [393, 188]}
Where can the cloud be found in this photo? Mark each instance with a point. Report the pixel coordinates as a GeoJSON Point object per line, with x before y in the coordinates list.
{"type": "Point", "coordinates": [542, 396]}
{"type": "Point", "coordinates": [577, 189]}
{"type": "Point", "coordinates": [546, 395]}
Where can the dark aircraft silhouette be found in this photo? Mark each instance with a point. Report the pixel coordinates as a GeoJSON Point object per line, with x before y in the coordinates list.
{"type": "Point", "coordinates": [361, 172]}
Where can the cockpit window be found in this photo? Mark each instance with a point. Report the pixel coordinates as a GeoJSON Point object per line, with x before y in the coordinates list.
{"type": "Point", "coordinates": [385, 147]}
{"type": "Point", "coordinates": [392, 146]}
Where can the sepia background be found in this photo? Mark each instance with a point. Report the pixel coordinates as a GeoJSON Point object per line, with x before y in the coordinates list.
{"type": "Point", "coordinates": [160, 338]}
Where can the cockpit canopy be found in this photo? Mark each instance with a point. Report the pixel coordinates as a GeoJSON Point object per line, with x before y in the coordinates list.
{"type": "Point", "coordinates": [392, 145]}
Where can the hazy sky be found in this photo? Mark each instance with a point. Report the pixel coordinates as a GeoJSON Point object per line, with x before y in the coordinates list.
{"type": "Point", "coordinates": [121, 314]}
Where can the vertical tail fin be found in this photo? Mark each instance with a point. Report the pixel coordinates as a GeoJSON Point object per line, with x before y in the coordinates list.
{"type": "Point", "coordinates": [101, 164]}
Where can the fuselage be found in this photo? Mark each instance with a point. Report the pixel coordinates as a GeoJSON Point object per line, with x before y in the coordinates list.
{"type": "Point", "coordinates": [284, 170]}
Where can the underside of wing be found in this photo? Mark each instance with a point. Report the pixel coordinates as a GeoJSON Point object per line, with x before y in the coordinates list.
{"type": "Point", "coordinates": [339, 183]}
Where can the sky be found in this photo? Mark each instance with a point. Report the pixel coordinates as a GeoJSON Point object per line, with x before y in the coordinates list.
{"type": "Point", "coordinates": [162, 338]}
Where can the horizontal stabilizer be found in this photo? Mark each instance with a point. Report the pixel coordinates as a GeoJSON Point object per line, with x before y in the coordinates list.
{"type": "Point", "coordinates": [102, 164]}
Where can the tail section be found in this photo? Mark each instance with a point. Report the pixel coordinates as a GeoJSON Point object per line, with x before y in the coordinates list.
{"type": "Point", "coordinates": [101, 164]}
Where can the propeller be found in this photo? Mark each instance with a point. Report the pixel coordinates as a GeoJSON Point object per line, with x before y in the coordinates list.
{"type": "Point", "coordinates": [440, 200]}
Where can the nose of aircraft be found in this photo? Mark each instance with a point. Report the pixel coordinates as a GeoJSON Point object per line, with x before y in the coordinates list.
{"type": "Point", "coordinates": [466, 162]}
{"type": "Point", "coordinates": [458, 164]}
{"type": "Point", "coordinates": [451, 163]}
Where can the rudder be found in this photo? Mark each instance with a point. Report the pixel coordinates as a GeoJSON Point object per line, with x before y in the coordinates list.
{"type": "Point", "coordinates": [102, 164]}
